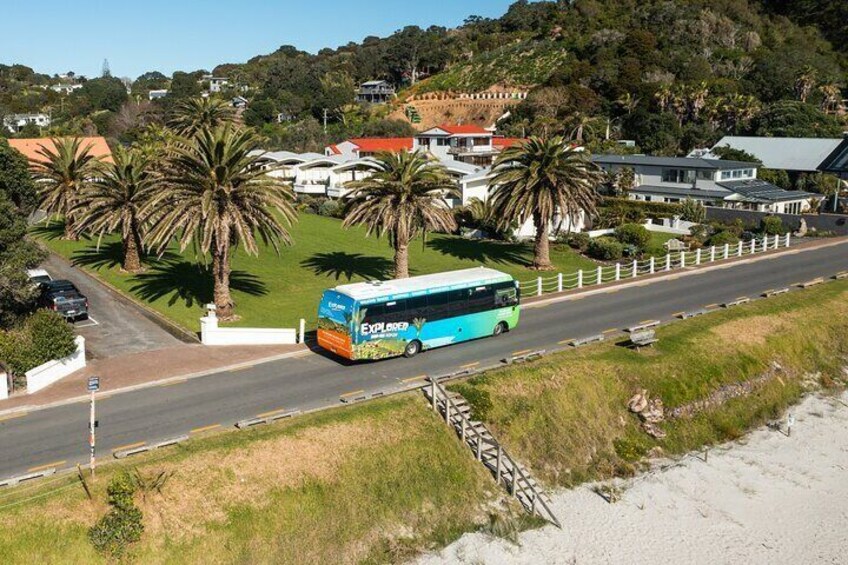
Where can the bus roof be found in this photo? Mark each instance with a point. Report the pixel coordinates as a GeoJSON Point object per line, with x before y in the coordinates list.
{"type": "Point", "coordinates": [419, 285]}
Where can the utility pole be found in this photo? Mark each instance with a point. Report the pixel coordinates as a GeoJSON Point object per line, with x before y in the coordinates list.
{"type": "Point", "coordinates": [93, 387]}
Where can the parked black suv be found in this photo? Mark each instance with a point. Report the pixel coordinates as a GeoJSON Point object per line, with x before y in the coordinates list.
{"type": "Point", "coordinates": [64, 298]}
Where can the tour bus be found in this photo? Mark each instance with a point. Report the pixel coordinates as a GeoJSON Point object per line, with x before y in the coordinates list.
{"type": "Point", "coordinates": [379, 319]}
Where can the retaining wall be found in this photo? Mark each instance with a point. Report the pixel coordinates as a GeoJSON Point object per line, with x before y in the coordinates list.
{"type": "Point", "coordinates": [53, 371]}
{"type": "Point", "coordinates": [837, 223]}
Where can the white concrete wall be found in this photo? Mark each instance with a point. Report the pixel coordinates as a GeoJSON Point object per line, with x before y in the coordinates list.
{"type": "Point", "coordinates": [4, 386]}
{"type": "Point", "coordinates": [53, 371]}
{"type": "Point", "coordinates": [211, 334]}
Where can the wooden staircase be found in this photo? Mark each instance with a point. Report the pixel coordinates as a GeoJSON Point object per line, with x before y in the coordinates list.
{"type": "Point", "coordinates": [506, 471]}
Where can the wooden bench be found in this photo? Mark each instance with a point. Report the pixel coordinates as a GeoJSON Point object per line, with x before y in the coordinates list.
{"type": "Point", "coordinates": [643, 338]}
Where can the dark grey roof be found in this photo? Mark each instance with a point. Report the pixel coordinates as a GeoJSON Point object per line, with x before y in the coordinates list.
{"type": "Point", "coordinates": [837, 161]}
{"type": "Point", "coordinates": [681, 192]}
{"type": "Point", "coordinates": [762, 191]}
{"type": "Point", "coordinates": [680, 162]}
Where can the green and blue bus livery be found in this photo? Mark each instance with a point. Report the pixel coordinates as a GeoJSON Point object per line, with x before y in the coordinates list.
{"type": "Point", "coordinates": [376, 320]}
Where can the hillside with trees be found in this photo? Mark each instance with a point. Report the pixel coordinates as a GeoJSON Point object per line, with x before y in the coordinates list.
{"type": "Point", "coordinates": [670, 74]}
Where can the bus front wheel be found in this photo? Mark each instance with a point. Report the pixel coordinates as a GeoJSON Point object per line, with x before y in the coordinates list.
{"type": "Point", "coordinates": [499, 329]}
{"type": "Point", "coordinates": [412, 348]}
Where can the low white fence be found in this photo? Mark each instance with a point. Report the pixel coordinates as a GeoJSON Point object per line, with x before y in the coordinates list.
{"type": "Point", "coordinates": [671, 261]}
{"type": "Point", "coordinates": [211, 334]}
{"type": "Point", "coordinates": [52, 371]}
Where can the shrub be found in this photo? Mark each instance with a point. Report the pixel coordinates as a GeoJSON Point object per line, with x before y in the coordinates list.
{"type": "Point", "coordinates": [771, 225]}
{"type": "Point", "coordinates": [724, 238]}
{"type": "Point", "coordinates": [123, 524]}
{"type": "Point", "coordinates": [307, 204]}
{"type": "Point", "coordinates": [633, 234]}
{"type": "Point", "coordinates": [331, 208]}
{"type": "Point", "coordinates": [692, 211]}
{"type": "Point", "coordinates": [605, 249]}
{"type": "Point", "coordinates": [579, 241]}
{"type": "Point", "coordinates": [44, 336]}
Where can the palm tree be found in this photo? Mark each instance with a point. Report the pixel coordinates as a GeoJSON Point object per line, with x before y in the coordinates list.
{"type": "Point", "coordinates": [194, 114]}
{"type": "Point", "coordinates": [404, 198]}
{"type": "Point", "coordinates": [65, 171]}
{"type": "Point", "coordinates": [805, 81]}
{"type": "Point", "coordinates": [115, 200]}
{"type": "Point", "coordinates": [544, 178]}
{"type": "Point", "coordinates": [216, 196]}
{"type": "Point", "coordinates": [628, 102]}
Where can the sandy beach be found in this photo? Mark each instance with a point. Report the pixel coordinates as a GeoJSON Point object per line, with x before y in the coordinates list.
{"type": "Point", "coordinates": [767, 498]}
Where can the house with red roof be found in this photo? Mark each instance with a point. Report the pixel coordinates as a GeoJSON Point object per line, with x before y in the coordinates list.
{"type": "Point", "coordinates": [33, 148]}
{"type": "Point", "coordinates": [360, 147]}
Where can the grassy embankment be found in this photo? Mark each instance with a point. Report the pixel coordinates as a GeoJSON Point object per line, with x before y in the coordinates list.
{"type": "Point", "coordinates": [567, 415]}
{"type": "Point", "coordinates": [378, 482]}
{"type": "Point", "coordinates": [381, 481]}
{"type": "Point", "coordinates": [276, 291]}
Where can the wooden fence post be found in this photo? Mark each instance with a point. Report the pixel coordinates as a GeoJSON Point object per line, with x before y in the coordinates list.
{"type": "Point", "coordinates": [600, 274]}
{"type": "Point", "coordinates": [580, 278]}
{"type": "Point", "coordinates": [559, 282]}
{"type": "Point", "coordinates": [635, 268]}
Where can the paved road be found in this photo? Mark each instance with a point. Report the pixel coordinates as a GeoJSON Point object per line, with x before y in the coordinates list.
{"type": "Point", "coordinates": [115, 327]}
{"type": "Point", "coordinates": [59, 434]}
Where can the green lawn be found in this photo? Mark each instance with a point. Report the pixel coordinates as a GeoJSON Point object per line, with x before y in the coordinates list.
{"type": "Point", "coordinates": [276, 291]}
{"type": "Point", "coordinates": [656, 246]}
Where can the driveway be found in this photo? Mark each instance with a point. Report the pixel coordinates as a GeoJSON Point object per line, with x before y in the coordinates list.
{"type": "Point", "coordinates": [116, 327]}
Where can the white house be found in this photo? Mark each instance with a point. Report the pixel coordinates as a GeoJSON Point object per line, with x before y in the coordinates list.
{"type": "Point", "coordinates": [714, 182]}
{"type": "Point", "coordinates": [16, 122]}
{"type": "Point", "coordinates": [156, 94]}
{"type": "Point", "coordinates": [476, 185]}
{"type": "Point", "coordinates": [216, 84]}
{"type": "Point", "coordinates": [65, 88]}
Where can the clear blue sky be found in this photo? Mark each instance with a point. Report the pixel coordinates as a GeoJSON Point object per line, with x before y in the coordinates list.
{"type": "Point", "coordinates": [54, 36]}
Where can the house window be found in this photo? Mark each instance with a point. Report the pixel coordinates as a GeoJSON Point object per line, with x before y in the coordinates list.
{"type": "Point", "coordinates": [704, 174]}
{"type": "Point", "coordinates": [678, 175]}
{"type": "Point", "coordinates": [443, 142]}
{"type": "Point", "coordinates": [726, 175]}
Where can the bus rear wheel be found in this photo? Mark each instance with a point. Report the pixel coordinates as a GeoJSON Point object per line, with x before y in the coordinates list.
{"type": "Point", "coordinates": [412, 348]}
{"type": "Point", "coordinates": [500, 328]}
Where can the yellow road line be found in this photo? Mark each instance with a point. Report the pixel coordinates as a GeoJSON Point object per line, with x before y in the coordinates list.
{"type": "Point", "coordinates": [129, 446]}
{"type": "Point", "coordinates": [354, 393]}
{"type": "Point", "coordinates": [47, 466]}
{"type": "Point", "coordinates": [271, 413]}
{"type": "Point", "coordinates": [646, 322]}
{"type": "Point", "coordinates": [242, 369]}
{"type": "Point", "coordinates": [522, 352]}
{"type": "Point", "coordinates": [469, 365]}
{"type": "Point", "coordinates": [205, 429]}
{"type": "Point", "coordinates": [742, 298]}
{"type": "Point", "coordinates": [13, 416]}
{"type": "Point", "coordinates": [172, 383]}
{"type": "Point", "coordinates": [611, 331]}
{"type": "Point", "coordinates": [711, 306]}
{"type": "Point", "coordinates": [411, 379]}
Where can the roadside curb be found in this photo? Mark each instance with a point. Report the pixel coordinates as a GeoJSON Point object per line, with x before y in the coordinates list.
{"type": "Point", "coordinates": [159, 382]}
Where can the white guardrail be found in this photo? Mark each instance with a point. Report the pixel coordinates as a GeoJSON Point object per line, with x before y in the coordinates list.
{"type": "Point", "coordinates": [672, 261]}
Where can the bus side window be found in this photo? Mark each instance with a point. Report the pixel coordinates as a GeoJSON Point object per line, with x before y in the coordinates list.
{"type": "Point", "coordinates": [373, 313]}
{"type": "Point", "coordinates": [459, 304]}
{"type": "Point", "coordinates": [438, 306]}
{"type": "Point", "coordinates": [481, 299]}
{"type": "Point", "coordinates": [417, 308]}
{"type": "Point", "coordinates": [394, 311]}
